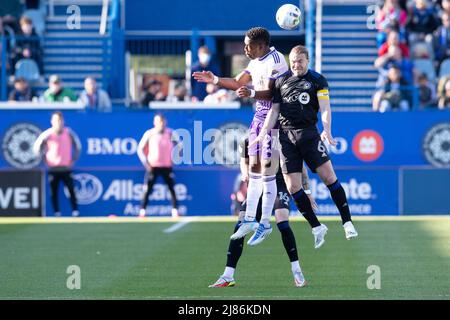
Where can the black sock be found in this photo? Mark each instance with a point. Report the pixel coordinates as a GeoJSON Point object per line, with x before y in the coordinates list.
{"type": "Point", "coordinates": [340, 200]}
{"type": "Point", "coordinates": [288, 240]}
{"type": "Point", "coordinates": [235, 249]}
{"type": "Point", "coordinates": [304, 206]}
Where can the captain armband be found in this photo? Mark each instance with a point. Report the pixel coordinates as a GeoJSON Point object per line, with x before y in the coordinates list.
{"type": "Point", "coordinates": [323, 94]}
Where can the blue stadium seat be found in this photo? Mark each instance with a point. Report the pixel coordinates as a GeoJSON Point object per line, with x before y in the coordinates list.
{"type": "Point", "coordinates": [28, 69]}
{"type": "Point", "coordinates": [444, 70]}
{"type": "Point", "coordinates": [426, 66]}
{"type": "Point", "coordinates": [422, 50]}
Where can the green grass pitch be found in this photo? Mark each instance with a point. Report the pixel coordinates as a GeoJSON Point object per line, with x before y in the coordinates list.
{"type": "Point", "coordinates": [127, 260]}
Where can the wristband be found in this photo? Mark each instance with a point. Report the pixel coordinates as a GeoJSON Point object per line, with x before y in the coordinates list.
{"type": "Point", "coordinates": [252, 93]}
{"type": "Point", "coordinates": [216, 80]}
{"type": "Point", "coordinates": [307, 192]}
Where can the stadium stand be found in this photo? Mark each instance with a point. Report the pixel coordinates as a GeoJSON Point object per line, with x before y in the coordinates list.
{"type": "Point", "coordinates": [75, 53]}
{"type": "Point", "coordinates": [349, 49]}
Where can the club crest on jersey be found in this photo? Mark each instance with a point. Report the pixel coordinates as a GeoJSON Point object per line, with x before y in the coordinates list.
{"type": "Point", "coordinates": [305, 85]}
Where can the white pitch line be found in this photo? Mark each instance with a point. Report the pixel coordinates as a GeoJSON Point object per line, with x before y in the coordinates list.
{"type": "Point", "coordinates": [177, 226]}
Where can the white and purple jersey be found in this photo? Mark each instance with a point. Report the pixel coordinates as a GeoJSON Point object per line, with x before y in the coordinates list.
{"type": "Point", "coordinates": [269, 67]}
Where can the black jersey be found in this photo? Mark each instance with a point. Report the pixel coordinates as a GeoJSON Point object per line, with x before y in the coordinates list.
{"type": "Point", "coordinates": [299, 99]}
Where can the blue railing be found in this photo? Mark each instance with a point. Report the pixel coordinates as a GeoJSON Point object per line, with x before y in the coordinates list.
{"type": "Point", "coordinates": [117, 66]}
{"type": "Point", "coordinates": [310, 27]}
{"type": "Point", "coordinates": [4, 82]}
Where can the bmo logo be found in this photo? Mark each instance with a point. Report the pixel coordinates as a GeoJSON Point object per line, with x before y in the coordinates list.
{"type": "Point", "coordinates": [368, 145]}
{"type": "Point", "coordinates": [117, 146]}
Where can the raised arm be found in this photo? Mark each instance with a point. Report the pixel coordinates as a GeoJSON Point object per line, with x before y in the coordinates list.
{"type": "Point", "coordinates": [244, 92]}
{"type": "Point", "coordinates": [228, 83]}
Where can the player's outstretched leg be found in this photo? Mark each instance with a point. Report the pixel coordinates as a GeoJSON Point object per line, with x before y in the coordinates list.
{"type": "Point", "coordinates": [340, 199]}
{"type": "Point", "coordinates": [268, 199]}
{"type": "Point", "coordinates": [328, 176]}
{"type": "Point", "coordinates": [235, 249]}
{"type": "Point", "coordinates": [253, 194]}
{"type": "Point", "coordinates": [304, 206]}
{"type": "Point", "coordinates": [290, 246]}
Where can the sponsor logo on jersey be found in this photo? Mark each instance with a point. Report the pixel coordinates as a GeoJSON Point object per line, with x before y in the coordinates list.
{"type": "Point", "coordinates": [368, 145]}
{"type": "Point", "coordinates": [18, 143]}
{"type": "Point", "coordinates": [304, 98]}
{"type": "Point", "coordinates": [436, 145]}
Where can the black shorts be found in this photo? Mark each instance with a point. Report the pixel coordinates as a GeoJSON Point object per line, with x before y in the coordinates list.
{"type": "Point", "coordinates": [282, 201]}
{"type": "Point", "coordinates": [301, 145]}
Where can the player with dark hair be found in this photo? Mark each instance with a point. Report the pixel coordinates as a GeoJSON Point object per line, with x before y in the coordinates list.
{"type": "Point", "coordinates": [298, 97]}
{"type": "Point", "coordinates": [266, 65]}
{"type": "Point", "coordinates": [281, 207]}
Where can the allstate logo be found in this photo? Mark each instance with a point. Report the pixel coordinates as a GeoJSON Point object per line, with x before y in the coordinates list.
{"type": "Point", "coordinates": [436, 145]}
{"type": "Point", "coordinates": [226, 143]}
{"type": "Point", "coordinates": [88, 188]}
{"type": "Point", "coordinates": [17, 145]}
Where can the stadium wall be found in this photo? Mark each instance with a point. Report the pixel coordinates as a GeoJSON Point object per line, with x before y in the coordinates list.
{"type": "Point", "coordinates": [384, 161]}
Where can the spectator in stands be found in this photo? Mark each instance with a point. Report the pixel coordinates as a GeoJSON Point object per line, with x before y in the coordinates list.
{"type": "Point", "coordinates": [22, 91]}
{"type": "Point", "coordinates": [396, 93]}
{"type": "Point", "coordinates": [61, 148]}
{"type": "Point", "coordinates": [216, 95]}
{"type": "Point", "coordinates": [394, 57]}
{"type": "Point", "coordinates": [445, 5]}
{"type": "Point", "coordinates": [94, 98]}
{"type": "Point", "coordinates": [204, 63]}
{"type": "Point", "coordinates": [390, 16]}
{"type": "Point", "coordinates": [427, 92]}
{"type": "Point", "coordinates": [393, 39]}
{"type": "Point", "coordinates": [422, 21]}
{"type": "Point", "coordinates": [153, 93]}
{"type": "Point", "coordinates": [444, 93]}
{"type": "Point", "coordinates": [56, 92]}
{"type": "Point", "coordinates": [441, 40]}
{"type": "Point", "coordinates": [28, 44]}
{"type": "Point", "coordinates": [179, 94]}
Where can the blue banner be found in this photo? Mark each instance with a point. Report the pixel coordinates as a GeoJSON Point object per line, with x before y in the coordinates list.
{"type": "Point", "coordinates": [208, 192]}
{"type": "Point", "coordinates": [425, 191]}
{"type": "Point", "coordinates": [365, 139]}
{"type": "Point", "coordinates": [120, 192]}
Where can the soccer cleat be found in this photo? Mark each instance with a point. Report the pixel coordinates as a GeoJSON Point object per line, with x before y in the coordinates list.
{"type": "Point", "coordinates": [319, 235]}
{"type": "Point", "coordinates": [299, 279]}
{"type": "Point", "coordinates": [350, 231]}
{"type": "Point", "coordinates": [175, 213]}
{"type": "Point", "coordinates": [246, 227]}
{"type": "Point", "coordinates": [223, 282]}
{"type": "Point", "coordinates": [75, 213]}
{"type": "Point", "coordinates": [261, 233]}
{"type": "Point", "coordinates": [142, 213]}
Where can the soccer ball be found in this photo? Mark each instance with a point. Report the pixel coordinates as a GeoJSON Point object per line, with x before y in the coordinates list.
{"type": "Point", "coordinates": [288, 16]}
